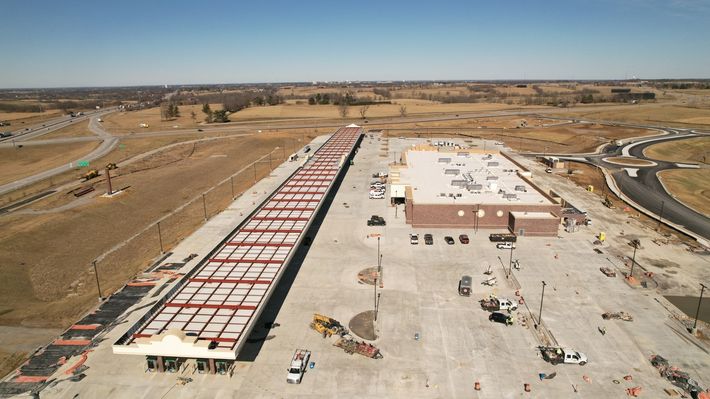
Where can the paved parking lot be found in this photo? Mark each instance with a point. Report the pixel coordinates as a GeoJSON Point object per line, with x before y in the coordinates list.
{"type": "Point", "coordinates": [457, 345]}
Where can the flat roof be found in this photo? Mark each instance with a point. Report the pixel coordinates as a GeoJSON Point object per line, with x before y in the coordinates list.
{"type": "Point", "coordinates": [466, 177]}
{"type": "Point", "coordinates": [533, 215]}
{"type": "Point", "coordinates": [220, 300]}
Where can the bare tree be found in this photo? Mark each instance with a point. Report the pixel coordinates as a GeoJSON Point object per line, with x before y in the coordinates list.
{"type": "Point", "coordinates": [343, 109]}
{"type": "Point", "coordinates": [363, 110]}
{"type": "Point", "coordinates": [403, 110]}
{"type": "Point", "coordinates": [193, 116]}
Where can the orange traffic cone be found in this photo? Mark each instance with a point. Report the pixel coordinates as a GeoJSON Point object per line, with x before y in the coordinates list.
{"type": "Point", "coordinates": [527, 387]}
{"type": "Point", "coordinates": [477, 386]}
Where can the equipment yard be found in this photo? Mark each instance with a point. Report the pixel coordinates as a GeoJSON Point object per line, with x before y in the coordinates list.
{"type": "Point", "coordinates": [434, 342]}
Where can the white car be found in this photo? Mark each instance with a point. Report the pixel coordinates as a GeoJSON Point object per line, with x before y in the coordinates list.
{"type": "Point", "coordinates": [414, 239]}
{"type": "Point", "coordinates": [377, 196]}
{"type": "Point", "coordinates": [505, 245]}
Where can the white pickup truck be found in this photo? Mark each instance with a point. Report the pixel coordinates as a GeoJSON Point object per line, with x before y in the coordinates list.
{"type": "Point", "coordinates": [299, 362]}
{"type": "Point", "coordinates": [557, 355]}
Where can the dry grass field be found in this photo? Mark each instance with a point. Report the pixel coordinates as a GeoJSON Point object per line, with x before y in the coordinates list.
{"type": "Point", "coordinates": [127, 122]}
{"type": "Point", "coordinates": [690, 150]}
{"type": "Point", "coordinates": [653, 114]}
{"type": "Point", "coordinates": [567, 139]}
{"type": "Point", "coordinates": [691, 186]}
{"type": "Point", "coordinates": [16, 163]}
{"type": "Point", "coordinates": [77, 129]}
{"type": "Point", "coordinates": [28, 117]}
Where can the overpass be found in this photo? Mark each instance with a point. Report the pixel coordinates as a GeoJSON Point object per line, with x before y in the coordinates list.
{"type": "Point", "coordinates": [210, 312]}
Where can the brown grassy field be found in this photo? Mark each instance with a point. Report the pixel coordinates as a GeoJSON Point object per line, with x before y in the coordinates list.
{"type": "Point", "coordinates": [28, 117]}
{"type": "Point", "coordinates": [127, 122]}
{"type": "Point", "coordinates": [655, 114]}
{"type": "Point", "coordinates": [16, 163]}
{"type": "Point", "coordinates": [691, 186]}
{"type": "Point", "coordinates": [690, 150]}
{"type": "Point", "coordinates": [568, 139]}
{"type": "Point", "coordinates": [77, 129]}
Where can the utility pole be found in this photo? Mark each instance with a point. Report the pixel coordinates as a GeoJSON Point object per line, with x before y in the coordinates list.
{"type": "Point", "coordinates": [700, 301]}
{"type": "Point", "coordinates": [98, 286]}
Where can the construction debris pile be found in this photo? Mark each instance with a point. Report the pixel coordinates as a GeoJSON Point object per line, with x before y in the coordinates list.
{"type": "Point", "coordinates": [679, 378]}
{"type": "Point", "coordinates": [328, 326]}
{"type": "Point", "coordinates": [350, 346]}
{"type": "Point", "coordinates": [608, 271]}
{"type": "Point", "coordinates": [617, 315]}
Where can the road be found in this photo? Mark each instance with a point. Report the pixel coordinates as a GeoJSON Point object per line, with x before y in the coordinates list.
{"type": "Point", "coordinates": [642, 185]}
{"type": "Point", "coordinates": [108, 142]}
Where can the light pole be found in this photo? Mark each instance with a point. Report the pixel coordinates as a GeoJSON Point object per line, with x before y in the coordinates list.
{"type": "Point", "coordinates": [542, 298]}
{"type": "Point", "coordinates": [378, 254]}
{"type": "Point", "coordinates": [98, 286]}
{"type": "Point", "coordinates": [160, 239]}
{"type": "Point", "coordinates": [700, 300]}
{"type": "Point", "coordinates": [635, 244]}
{"type": "Point", "coordinates": [660, 216]}
{"type": "Point", "coordinates": [510, 263]}
{"type": "Point", "coordinates": [204, 206]}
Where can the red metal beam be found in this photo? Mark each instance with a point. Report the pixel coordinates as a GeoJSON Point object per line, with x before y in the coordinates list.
{"type": "Point", "coordinates": [227, 280]}
{"type": "Point", "coordinates": [246, 260]}
{"type": "Point", "coordinates": [270, 231]}
{"type": "Point", "coordinates": [255, 244]}
{"type": "Point", "coordinates": [294, 200]}
{"type": "Point", "coordinates": [207, 306]}
{"type": "Point", "coordinates": [295, 179]}
{"type": "Point", "coordinates": [287, 209]}
{"type": "Point", "coordinates": [301, 192]}
{"type": "Point", "coordinates": [279, 219]}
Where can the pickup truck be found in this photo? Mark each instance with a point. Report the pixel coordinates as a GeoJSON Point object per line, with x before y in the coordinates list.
{"type": "Point", "coordinates": [493, 304]}
{"type": "Point", "coordinates": [505, 245]}
{"type": "Point", "coordinates": [414, 239]}
{"type": "Point", "coordinates": [299, 362]}
{"type": "Point", "coordinates": [557, 355]}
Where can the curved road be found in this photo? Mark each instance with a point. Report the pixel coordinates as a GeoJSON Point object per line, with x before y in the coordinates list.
{"type": "Point", "coordinates": [107, 144]}
{"type": "Point", "coordinates": [643, 186]}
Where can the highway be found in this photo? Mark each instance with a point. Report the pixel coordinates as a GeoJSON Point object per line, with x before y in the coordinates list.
{"type": "Point", "coordinates": [108, 142]}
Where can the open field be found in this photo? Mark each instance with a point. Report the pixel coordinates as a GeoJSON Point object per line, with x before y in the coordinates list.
{"type": "Point", "coordinates": [126, 122]}
{"type": "Point", "coordinates": [652, 114]}
{"type": "Point", "coordinates": [690, 186]}
{"type": "Point", "coordinates": [76, 129]}
{"type": "Point", "coordinates": [21, 120]}
{"type": "Point", "coordinates": [16, 163]}
{"type": "Point", "coordinates": [568, 138]}
{"type": "Point", "coordinates": [690, 150]}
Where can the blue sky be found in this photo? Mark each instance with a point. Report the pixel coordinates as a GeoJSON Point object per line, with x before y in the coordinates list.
{"type": "Point", "coordinates": [97, 43]}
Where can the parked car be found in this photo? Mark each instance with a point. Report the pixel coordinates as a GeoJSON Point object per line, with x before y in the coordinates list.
{"type": "Point", "coordinates": [376, 221]}
{"type": "Point", "coordinates": [449, 240]}
{"type": "Point", "coordinates": [414, 239]}
{"type": "Point", "coordinates": [464, 239]}
{"type": "Point", "coordinates": [428, 239]}
{"type": "Point", "coordinates": [377, 196]}
{"type": "Point", "coordinates": [505, 245]}
{"type": "Point", "coordinates": [501, 318]}
{"type": "Point", "coordinates": [465, 286]}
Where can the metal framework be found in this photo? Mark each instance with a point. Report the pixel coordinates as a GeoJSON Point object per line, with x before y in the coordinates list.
{"type": "Point", "coordinates": [221, 299]}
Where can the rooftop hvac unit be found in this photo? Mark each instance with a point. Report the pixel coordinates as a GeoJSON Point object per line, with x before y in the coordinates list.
{"type": "Point", "coordinates": [459, 183]}
{"type": "Point", "coordinates": [475, 186]}
{"type": "Point", "coordinates": [459, 195]}
{"type": "Point", "coordinates": [510, 196]}
{"type": "Point", "coordinates": [444, 160]}
{"type": "Point", "coordinates": [452, 172]}
{"type": "Point", "coordinates": [491, 177]}
{"type": "Point", "coordinates": [451, 194]}
{"type": "Point", "coordinates": [493, 163]}
{"type": "Point", "coordinates": [520, 188]}
{"type": "Point", "coordinates": [462, 154]}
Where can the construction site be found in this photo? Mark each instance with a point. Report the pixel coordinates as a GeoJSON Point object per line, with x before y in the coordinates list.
{"type": "Point", "coordinates": [289, 292]}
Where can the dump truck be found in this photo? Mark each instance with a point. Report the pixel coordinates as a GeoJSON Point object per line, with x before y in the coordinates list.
{"type": "Point", "coordinates": [557, 355]}
{"type": "Point", "coordinates": [299, 362]}
{"type": "Point", "coordinates": [493, 304]}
